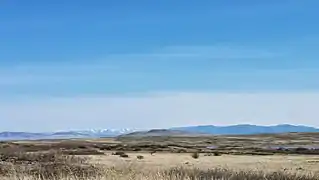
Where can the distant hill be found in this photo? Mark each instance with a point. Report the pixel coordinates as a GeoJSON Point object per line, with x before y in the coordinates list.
{"type": "Point", "coordinates": [162, 132]}
{"type": "Point", "coordinates": [243, 129]}
{"type": "Point", "coordinates": [20, 135]}
{"type": "Point", "coordinates": [64, 134]}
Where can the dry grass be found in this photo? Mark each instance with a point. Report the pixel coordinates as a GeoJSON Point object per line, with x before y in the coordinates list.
{"type": "Point", "coordinates": [290, 163]}
{"type": "Point", "coordinates": [44, 165]}
{"type": "Point", "coordinates": [171, 174]}
{"type": "Point", "coordinates": [267, 144]}
{"type": "Point", "coordinates": [170, 159]}
{"type": "Point", "coordinates": [57, 166]}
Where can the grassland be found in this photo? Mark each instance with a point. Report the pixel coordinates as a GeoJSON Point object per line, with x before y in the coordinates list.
{"type": "Point", "coordinates": [282, 156]}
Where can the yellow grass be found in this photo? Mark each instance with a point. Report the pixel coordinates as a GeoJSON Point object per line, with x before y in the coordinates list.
{"type": "Point", "coordinates": [155, 166]}
{"type": "Point", "coordinates": [290, 163]}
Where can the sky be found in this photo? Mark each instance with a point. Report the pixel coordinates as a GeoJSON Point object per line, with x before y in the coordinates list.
{"type": "Point", "coordinates": [81, 64]}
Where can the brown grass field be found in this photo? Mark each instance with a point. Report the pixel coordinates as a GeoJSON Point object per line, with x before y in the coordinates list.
{"type": "Point", "coordinates": [295, 157]}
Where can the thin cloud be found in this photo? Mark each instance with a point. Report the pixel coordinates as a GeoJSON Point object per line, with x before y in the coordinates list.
{"type": "Point", "coordinates": [201, 52]}
{"type": "Point", "coordinates": [222, 51]}
{"type": "Point", "coordinates": [117, 63]}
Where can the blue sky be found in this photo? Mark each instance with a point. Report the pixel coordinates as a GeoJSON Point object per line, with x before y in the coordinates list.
{"type": "Point", "coordinates": [80, 64]}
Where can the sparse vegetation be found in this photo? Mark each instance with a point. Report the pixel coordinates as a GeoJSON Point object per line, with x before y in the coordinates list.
{"type": "Point", "coordinates": [213, 154]}
{"type": "Point", "coordinates": [105, 148]}
{"type": "Point", "coordinates": [82, 152]}
{"type": "Point", "coordinates": [67, 159]}
{"type": "Point", "coordinates": [237, 145]}
{"type": "Point", "coordinates": [224, 174]}
{"type": "Point", "coordinates": [121, 154]}
{"type": "Point", "coordinates": [63, 169]}
{"type": "Point", "coordinates": [49, 165]}
{"type": "Point", "coordinates": [118, 153]}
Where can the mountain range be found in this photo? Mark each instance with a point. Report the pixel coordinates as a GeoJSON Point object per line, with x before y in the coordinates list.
{"type": "Point", "coordinates": [246, 129]}
{"type": "Point", "coordinates": [240, 129]}
{"type": "Point", "coordinates": [93, 133]}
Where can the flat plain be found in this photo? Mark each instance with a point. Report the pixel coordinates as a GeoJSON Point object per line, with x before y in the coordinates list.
{"type": "Point", "coordinates": [292, 154]}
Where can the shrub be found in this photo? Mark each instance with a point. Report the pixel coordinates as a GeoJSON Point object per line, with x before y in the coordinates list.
{"type": "Point", "coordinates": [195, 155]}
{"type": "Point", "coordinates": [105, 148]}
{"type": "Point", "coordinates": [118, 153]}
{"type": "Point", "coordinates": [82, 147]}
{"type": "Point", "coordinates": [124, 156]}
{"type": "Point", "coordinates": [301, 149]}
{"type": "Point", "coordinates": [140, 157]}
{"type": "Point", "coordinates": [179, 151]}
{"type": "Point", "coordinates": [82, 152]}
{"type": "Point", "coordinates": [153, 152]}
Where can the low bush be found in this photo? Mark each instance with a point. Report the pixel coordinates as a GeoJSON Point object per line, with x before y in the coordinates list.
{"type": "Point", "coordinates": [105, 148]}
{"type": "Point", "coordinates": [118, 153]}
{"type": "Point", "coordinates": [124, 156]}
{"type": "Point", "coordinates": [195, 155]}
{"type": "Point", "coordinates": [82, 152]}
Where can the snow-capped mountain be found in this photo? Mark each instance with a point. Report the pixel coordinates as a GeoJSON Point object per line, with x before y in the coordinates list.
{"type": "Point", "coordinates": [107, 131]}
{"type": "Point", "coordinates": [93, 133]}
{"type": "Point", "coordinates": [99, 132]}
{"type": "Point", "coordinates": [239, 129]}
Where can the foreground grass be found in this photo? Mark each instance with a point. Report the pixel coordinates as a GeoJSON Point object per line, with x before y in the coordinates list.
{"type": "Point", "coordinates": [58, 166]}
{"type": "Point", "coordinates": [172, 174]}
